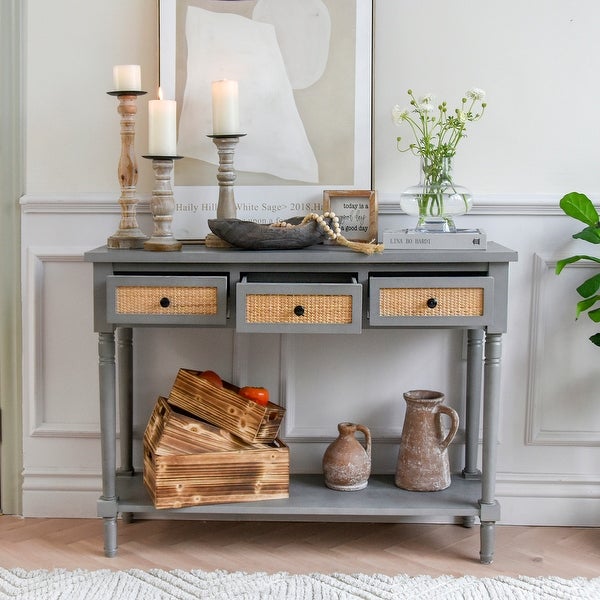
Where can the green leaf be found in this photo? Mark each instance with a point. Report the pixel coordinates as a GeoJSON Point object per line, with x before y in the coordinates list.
{"type": "Point", "coordinates": [590, 286]}
{"type": "Point", "coordinates": [563, 262]}
{"type": "Point", "coordinates": [589, 234]}
{"type": "Point", "coordinates": [580, 207]}
{"type": "Point", "coordinates": [595, 339]}
{"type": "Point", "coordinates": [584, 305]}
{"type": "Point", "coordinates": [594, 315]}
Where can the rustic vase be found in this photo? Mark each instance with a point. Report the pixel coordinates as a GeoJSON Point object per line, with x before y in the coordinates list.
{"type": "Point", "coordinates": [423, 456]}
{"type": "Point", "coordinates": [437, 198]}
{"type": "Point", "coordinates": [346, 462]}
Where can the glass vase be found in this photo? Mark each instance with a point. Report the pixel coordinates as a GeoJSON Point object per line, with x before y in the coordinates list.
{"type": "Point", "coordinates": [436, 199]}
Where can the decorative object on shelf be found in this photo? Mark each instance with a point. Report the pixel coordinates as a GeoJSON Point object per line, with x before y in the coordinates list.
{"type": "Point", "coordinates": [226, 173]}
{"type": "Point", "coordinates": [436, 200]}
{"type": "Point", "coordinates": [423, 456]}
{"type": "Point", "coordinates": [411, 239]}
{"type": "Point", "coordinates": [224, 407]}
{"type": "Point", "coordinates": [127, 84]}
{"type": "Point", "coordinates": [346, 463]}
{"type": "Point", "coordinates": [162, 206]}
{"type": "Point", "coordinates": [580, 207]}
{"type": "Point", "coordinates": [225, 136]}
{"type": "Point", "coordinates": [162, 150]}
{"type": "Point", "coordinates": [191, 462]}
{"type": "Point", "coordinates": [357, 212]}
{"type": "Point", "coordinates": [286, 235]}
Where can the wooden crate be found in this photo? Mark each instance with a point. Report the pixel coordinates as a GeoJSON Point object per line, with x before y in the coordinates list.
{"type": "Point", "coordinates": [203, 473]}
{"type": "Point", "coordinates": [225, 408]}
{"type": "Point", "coordinates": [179, 433]}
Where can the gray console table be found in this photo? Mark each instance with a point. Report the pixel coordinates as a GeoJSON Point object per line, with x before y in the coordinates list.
{"type": "Point", "coordinates": [325, 289]}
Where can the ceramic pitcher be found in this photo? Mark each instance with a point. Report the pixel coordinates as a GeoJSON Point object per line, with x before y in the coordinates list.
{"type": "Point", "coordinates": [346, 462]}
{"type": "Point", "coordinates": [423, 457]}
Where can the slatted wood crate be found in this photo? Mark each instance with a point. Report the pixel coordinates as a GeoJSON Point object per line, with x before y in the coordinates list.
{"type": "Point", "coordinates": [179, 433]}
{"type": "Point", "coordinates": [225, 408]}
{"type": "Point", "coordinates": [190, 463]}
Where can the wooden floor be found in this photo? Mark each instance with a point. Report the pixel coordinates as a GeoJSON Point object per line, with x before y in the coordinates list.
{"type": "Point", "coordinates": [415, 549]}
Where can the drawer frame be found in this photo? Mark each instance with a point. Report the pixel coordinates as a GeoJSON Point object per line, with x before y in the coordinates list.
{"type": "Point", "coordinates": [376, 284]}
{"type": "Point", "coordinates": [114, 282]}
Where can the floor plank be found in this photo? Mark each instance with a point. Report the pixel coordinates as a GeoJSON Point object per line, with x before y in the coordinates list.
{"type": "Point", "coordinates": [415, 549]}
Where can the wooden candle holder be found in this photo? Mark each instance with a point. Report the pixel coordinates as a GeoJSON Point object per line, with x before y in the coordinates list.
{"type": "Point", "coordinates": [226, 173]}
{"type": "Point", "coordinates": [162, 206]}
{"type": "Point", "coordinates": [128, 235]}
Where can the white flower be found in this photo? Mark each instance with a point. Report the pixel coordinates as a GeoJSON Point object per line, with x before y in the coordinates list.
{"type": "Point", "coordinates": [437, 131]}
{"type": "Point", "coordinates": [476, 94]}
{"type": "Point", "coordinates": [426, 107]}
{"type": "Point", "coordinates": [399, 114]}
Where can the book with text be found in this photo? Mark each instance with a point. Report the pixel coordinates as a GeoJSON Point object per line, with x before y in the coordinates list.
{"type": "Point", "coordinates": [410, 239]}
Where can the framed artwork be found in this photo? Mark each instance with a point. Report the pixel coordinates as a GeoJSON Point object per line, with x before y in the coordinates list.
{"type": "Point", "coordinates": [304, 102]}
{"type": "Point", "coordinates": [357, 212]}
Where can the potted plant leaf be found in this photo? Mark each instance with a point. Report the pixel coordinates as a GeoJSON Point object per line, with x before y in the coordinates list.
{"type": "Point", "coordinates": [580, 207]}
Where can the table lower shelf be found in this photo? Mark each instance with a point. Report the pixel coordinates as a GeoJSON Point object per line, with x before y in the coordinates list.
{"type": "Point", "coordinates": [311, 500]}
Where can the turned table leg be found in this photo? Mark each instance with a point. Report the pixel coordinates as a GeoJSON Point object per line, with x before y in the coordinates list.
{"type": "Point", "coordinates": [490, 509]}
{"type": "Point", "coordinates": [107, 504]}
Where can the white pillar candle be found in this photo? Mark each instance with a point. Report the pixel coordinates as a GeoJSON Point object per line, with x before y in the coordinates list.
{"type": "Point", "coordinates": [162, 129]}
{"type": "Point", "coordinates": [225, 107]}
{"type": "Point", "coordinates": [127, 78]}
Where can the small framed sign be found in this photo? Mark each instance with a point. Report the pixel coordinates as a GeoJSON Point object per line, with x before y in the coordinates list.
{"type": "Point", "coordinates": [357, 211]}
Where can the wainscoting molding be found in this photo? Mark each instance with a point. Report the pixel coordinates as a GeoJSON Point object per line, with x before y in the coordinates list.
{"type": "Point", "coordinates": [541, 322]}
{"type": "Point", "coordinates": [489, 204]}
{"type": "Point", "coordinates": [388, 203]}
{"type": "Point", "coordinates": [33, 344]}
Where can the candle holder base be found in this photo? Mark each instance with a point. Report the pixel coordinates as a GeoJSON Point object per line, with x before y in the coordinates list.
{"type": "Point", "coordinates": [162, 206]}
{"type": "Point", "coordinates": [127, 240]}
{"type": "Point", "coordinates": [162, 244]}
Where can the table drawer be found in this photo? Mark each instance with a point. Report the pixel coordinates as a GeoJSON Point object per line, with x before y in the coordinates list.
{"type": "Point", "coordinates": [447, 301]}
{"type": "Point", "coordinates": [168, 300]}
{"type": "Point", "coordinates": [309, 304]}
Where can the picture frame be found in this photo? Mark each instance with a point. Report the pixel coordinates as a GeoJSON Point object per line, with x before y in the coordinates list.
{"type": "Point", "coordinates": [357, 212]}
{"type": "Point", "coordinates": [341, 145]}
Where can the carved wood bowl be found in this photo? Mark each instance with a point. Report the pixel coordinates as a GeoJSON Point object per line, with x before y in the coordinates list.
{"type": "Point", "coordinates": [257, 236]}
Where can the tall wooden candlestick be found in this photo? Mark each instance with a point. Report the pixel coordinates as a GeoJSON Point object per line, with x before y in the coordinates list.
{"type": "Point", "coordinates": [128, 235]}
{"type": "Point", "coordinates": [162, 206]}
{"type": "Point", "coordinates": [226, 173]}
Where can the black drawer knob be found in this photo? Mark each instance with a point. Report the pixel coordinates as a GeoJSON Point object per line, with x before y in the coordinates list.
{"type": "Point", "coordinates": [431, 303]}
{"type": "Point", "coordinates": [165, 302]}
{"type": "Point", "coordinates": [299, 311]}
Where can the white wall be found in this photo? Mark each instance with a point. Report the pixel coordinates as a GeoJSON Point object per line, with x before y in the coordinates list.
{"type": "Point", "coordinates": [537, 62]}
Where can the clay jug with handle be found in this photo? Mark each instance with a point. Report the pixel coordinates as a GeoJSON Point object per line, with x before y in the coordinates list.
{"type": "Point", "coordinates": [346, 463]}
{"type": "Point", "coordinates": [423, 456]}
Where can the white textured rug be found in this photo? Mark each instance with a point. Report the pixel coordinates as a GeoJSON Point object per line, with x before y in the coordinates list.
{"type": "Point", "coordinates": [216, 585]}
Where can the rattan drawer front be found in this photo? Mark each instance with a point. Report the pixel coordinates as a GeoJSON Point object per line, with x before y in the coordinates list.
{"type": "Point", "coordinates": [445, 300]}
{"type": "Point", "coordinates": [168, 300]}
{"type": "Point", "coordinates": [299, 307]}
{"type": "Point", "coordinates": [304, 308]}
{"type": "Point", "coordinates": [425, 302]}
{"type": "Point", "coordinates": [175, 300]}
